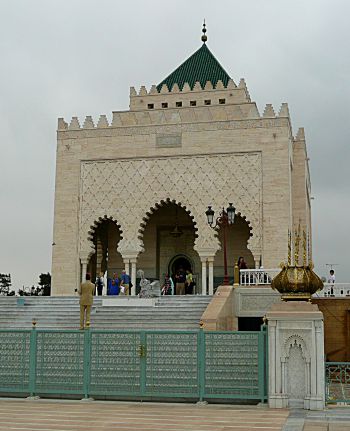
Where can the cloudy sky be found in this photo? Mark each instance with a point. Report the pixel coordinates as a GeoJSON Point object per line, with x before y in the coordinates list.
{"type": "Point", "coordinates": [79, 57]}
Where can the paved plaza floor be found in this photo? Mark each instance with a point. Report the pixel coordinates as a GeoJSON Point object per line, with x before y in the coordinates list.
{"type": "Point", "coordinates": [62, 415]}
{"type": "Point", "coordinates": [124, 416]}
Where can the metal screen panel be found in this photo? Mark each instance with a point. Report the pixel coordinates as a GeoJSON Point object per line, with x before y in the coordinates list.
{"type": "Point", "coordinates": [167, 364]}
{"type": "Point", "coordinates": [232, 364]}
{"type": "Point", "coordinates": [59, 362]}
{"type": "Point", "coordinates": [337, 382]}
{"type": "Point", "coordinates": [115, 363]}
{"type": "Point", "coordinates": [14, 361]}
{"type": "Point", "coordinates": [171, 363]}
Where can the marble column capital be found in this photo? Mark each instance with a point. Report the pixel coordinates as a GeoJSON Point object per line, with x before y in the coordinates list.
{"type": "Point", "coordinates": [85, 255]}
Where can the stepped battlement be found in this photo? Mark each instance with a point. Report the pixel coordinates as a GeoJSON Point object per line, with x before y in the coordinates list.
{"type": "Point", "coordinates": [158, 115]}
{"type": "Point", "coordinates": [197, 95]}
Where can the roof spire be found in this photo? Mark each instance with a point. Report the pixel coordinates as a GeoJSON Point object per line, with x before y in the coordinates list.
{"type": "Point", "coordinates": [204, 30]}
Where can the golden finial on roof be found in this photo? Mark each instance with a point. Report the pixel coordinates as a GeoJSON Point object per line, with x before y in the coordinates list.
{"type": "Point", "coordinates": [289, 247]}
{"type": "Point", "coordinates": [204, 30]}
{"type": "Point", "coordinates": [305, 262]}
{"type": "Point", "coordinates": [296, 247]}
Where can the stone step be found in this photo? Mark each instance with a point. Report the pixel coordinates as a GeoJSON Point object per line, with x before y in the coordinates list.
{"type": "Point", "coordinates": [168, 312]}
{"type": "Point", "coordinates": [100, 319]}
{"type": "Point", "coordinates": [106, 310]}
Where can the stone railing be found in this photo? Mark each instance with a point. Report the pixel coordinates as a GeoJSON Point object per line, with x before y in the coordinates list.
{"type": "Point", "coordinates": [334, 290]}
{"type": "Point", "coordinates": [255, 277]}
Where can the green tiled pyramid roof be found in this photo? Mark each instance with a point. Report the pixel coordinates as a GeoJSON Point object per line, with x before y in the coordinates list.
{"type": "Point", "coordinates": [202, 66]}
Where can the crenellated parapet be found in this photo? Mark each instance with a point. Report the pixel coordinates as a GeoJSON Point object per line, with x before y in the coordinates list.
{"type": "Point", "coordinates": [196, 104]}
{"type": "Point", "coordinates": [198, 113]}
{"type": "Point", "coordinates": [300, 136]}
{"type": "Point", "coordinates": [88, 123]}
{"type": "Point", "coordinates": [197, 95]}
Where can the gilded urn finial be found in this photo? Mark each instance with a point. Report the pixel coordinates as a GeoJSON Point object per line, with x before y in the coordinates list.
{"type": "Point", "coordinates": [297, 281]}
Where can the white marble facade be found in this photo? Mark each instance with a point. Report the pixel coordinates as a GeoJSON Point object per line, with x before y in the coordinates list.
{"type": "Point", "coordinates": [296, 356]}
{"type": "Point", "coordinates": [197, 146]}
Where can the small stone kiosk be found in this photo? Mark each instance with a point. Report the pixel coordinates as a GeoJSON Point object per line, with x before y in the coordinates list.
{"type": "Point", "coordinates": [296, 336]}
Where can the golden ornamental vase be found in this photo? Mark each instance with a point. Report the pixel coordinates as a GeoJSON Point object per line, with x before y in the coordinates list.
{"type": "Point", "coordinates": [296, 282]}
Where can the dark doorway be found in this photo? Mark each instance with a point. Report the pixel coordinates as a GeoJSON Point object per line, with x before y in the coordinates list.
{"type": "Point", "coordinates": [179, 262]}
{"type": "Point", "coordinates": [249, 323]}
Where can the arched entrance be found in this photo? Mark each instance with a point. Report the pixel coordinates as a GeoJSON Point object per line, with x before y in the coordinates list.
{"type": "Point", "coordinates": [237, 235]}
{"type": "Point", "coordinates": [184, 263]}
{"type": "Point", "coordinates": [168, 238]}
{"type": "Point", "coordinates": [180, 261]}
{"type": "Point", "coordinates": [106, 260]}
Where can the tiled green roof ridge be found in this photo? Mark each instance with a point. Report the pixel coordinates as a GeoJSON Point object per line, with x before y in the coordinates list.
{"type": "Point", "coordinates": [202, 66]}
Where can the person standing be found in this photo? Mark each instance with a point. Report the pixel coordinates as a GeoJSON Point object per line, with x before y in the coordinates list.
{"type": "Point", "coordinates": [125, 282]}
{"type": "Point", "coordinates": [114, 288]}
{"type": "Point", "coordinates": [241, 264]}
{"type": "Point", "coordinates": [168, 287]}
{"type": "Point", "coordinates": [189, 282]}
{"type": "Point", "coordinates": [180, 282]}
{"type": "Point", "coordinates": [331, 278]}
{"type": "Point", "coordinates": [86, 293]}
{"type": "Point", "coordinates": [99, 284]}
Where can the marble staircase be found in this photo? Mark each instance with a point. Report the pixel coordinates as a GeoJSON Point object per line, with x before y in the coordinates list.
{"type": "Point", "coordinates": [62, 312]}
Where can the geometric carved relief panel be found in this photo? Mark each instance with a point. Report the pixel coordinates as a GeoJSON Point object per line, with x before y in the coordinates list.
{"type": "Point", "coordinates": [125, 189]}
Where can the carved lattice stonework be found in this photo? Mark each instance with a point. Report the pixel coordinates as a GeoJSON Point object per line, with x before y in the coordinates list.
{"type": "Point", "coordinates": [126, 189]}
{"type": "Point", "coordinates": [299, 338]}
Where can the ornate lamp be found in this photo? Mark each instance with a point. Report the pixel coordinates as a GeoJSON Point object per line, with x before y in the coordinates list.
{"type": "Point", "coordinates": [210, 215]}
{"type": "Point", "coordinates": [231, 210]}
{"type": "Point", "coordinates": [176, 232]}
{"type": "Point", "coordinates": [297, 281]}
{"type": "Point", "coordinates": [225, 219]}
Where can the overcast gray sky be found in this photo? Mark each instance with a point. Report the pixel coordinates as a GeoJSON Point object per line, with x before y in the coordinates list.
{"type": "Point", "coordinates": [79, 57]}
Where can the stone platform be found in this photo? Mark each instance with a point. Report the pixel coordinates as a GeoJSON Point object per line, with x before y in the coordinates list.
{"type": "Point", "coordinates": [59, 415]}
{"type": "Point", "coordinates": [124, 416]}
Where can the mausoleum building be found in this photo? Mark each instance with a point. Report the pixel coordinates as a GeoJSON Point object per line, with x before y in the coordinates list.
{"type": "Point", "coordinates": [131, 192]}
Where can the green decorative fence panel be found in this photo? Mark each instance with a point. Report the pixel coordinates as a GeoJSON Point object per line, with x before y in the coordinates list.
{"type": "Point", "coordinates": [134, 364]}
{"type": "Point", "coordinates": [337, 381]}
{"type": "Point", "coordinates": [234, 365]}
{"type": "Point", "coordinates": [115, 364]}
{"type": "Point", "coordinates": [15, 361]}
{"type": "Point", "coordinates": [59, 362]}
{"type": "Point", "coordinates": [171, 364]}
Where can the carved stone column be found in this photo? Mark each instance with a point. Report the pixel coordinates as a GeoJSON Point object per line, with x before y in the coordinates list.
{"type": "Point", "coordinates": [133, 275]}
{"type": "Point", "coordinates": [257, 258]}
{"type": "Point", "coordinates": [211, 274]}
{"type": "Point", "coordinates": [85, 256]}
{"type": "Point", "coordinates": [99, 256]}
{"type": "Point", "coordinates": [127, 265]}
{"type": "Point", "coordinates": [84, 263]}
{"type": "Point", "coordinates": [204, 275]}
{"type": "Point", "coordinates": [296, 356]}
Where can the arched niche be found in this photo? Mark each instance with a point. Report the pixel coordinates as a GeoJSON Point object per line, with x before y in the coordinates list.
{"type": "Point", "coordinates": [160, 242]}
{"type": "Point", "coordinates": [237, 236]}
{"type": "Point", "coordinates": [105, 235]}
